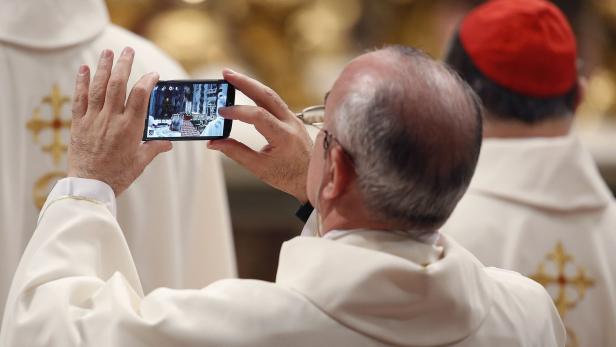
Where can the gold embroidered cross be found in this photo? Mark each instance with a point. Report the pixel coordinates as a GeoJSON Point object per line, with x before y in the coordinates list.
{"type": "Point", "coordinates": [36, 124]}
{"type": "Point", "coordinates": [580, 282]}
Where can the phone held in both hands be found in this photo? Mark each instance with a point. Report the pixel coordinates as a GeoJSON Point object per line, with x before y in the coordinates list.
{"type": "Point", "coordinates": [188, 110]}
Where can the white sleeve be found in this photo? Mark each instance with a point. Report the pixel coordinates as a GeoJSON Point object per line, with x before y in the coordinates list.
{"type": "Point", "coordinates": [77, 285]}
{"type": "Point", "coordinates": [76, 257]}
{"type": "Point", "coordinates": [83, 188]}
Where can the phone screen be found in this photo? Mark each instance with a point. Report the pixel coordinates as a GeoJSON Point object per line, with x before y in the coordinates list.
{"type": "Point", "coordinates": [188, 110]}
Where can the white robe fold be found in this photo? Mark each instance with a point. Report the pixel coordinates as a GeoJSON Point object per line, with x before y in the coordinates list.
{"type": "Point", "coordinates": [77, 286]}
{"type": "Point", "coordinates": [539, 206]}
{"type": "Point", "coordinates": [175, 216]}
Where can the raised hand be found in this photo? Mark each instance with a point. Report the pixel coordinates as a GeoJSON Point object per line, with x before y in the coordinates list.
{"type": "Point", "coordinates": [106, 131]}
{"type": "Point", "coordinates": [283, 162]}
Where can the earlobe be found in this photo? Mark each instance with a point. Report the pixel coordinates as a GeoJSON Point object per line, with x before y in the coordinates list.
{"type": "Point", "coordinates": [329, 185]}
{"type": "Point", "coordinates": [338, 174]}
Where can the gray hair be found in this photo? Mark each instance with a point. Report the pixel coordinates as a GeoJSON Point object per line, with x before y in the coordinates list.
{"type": "Point", "coordinates": [414, 139]}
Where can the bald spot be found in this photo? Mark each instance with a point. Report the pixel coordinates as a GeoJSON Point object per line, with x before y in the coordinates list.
{"type": "Point", "coordinates": [430, 100]}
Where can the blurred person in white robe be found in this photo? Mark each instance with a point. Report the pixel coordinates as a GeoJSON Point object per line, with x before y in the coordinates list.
{"type": "Point", "coordinates": [537, 204]}
{"type": "Point", "coordinates": [41, 44]}
{"type": "Point", "coordinates": [215, 127]}
{"type": "Point", "coordinates": [376, 273]}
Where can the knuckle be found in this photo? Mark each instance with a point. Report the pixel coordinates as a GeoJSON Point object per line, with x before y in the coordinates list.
{"type": "Point", "coordinates": [77, 105]}
{"type": "Point", "coordinates": [280, 103]}
{"type": "Point", "coordinates": [270, 92]}
{"type": "Point", "coordinates": [96, 89]}
{"type": "Point", "coordinates": [274, 124]}
{"type": "Point", "coordinates": [296, 122]}
{"type": "Point", "coordinates": [76, 111]}
{"type": "Point", "coordinates": [115, 83]}
{"type": "Point", "coordinates": [272, 95]}
{"type": "Point", "coordinates": [261, 112]}
{"type": "Point", "coordinates": [106, 66]}
{"type": "Point", "coordinates": [140, 91]}
{"type": "Point", "coordinates": [97, 99]}
{"type": "Point", "coordinates": [77, 98]}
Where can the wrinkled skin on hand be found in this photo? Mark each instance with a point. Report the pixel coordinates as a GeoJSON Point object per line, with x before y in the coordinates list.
{"type": "Point", "coordinates": [106, 127]}
{"type": "Point", "coordinates": [283, 162]}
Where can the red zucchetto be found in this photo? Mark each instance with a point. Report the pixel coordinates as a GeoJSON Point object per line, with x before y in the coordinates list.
{"type": "Point", "coordinates": [526, 46]}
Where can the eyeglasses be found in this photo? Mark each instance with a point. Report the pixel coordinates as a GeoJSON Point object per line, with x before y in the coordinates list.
{"type": "Point", "coordinates": [315, 116]}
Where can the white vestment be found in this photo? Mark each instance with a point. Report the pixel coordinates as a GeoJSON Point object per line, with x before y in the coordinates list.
{"type": "Point", "coordinates": [176, 214]}
{"type": "Point", "coordinates": [77, 286]}
{"type": "Point", "coordinates": [538, 206]}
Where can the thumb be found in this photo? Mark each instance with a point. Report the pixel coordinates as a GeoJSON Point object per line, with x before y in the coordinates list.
{"type": "Point", "coordinates": [237, 152]}
{"type": "Point", "coordinates": [150, 149]}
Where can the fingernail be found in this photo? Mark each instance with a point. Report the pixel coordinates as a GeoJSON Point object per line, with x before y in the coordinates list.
{"type": "Point", "coordinates": [228, 71]}
{"type": "Point", "coordinates": [106, 53]}
{"type": "Point", "coordinates": [83, 69]}
{"type": "Point", "coordinates": [127, 51]}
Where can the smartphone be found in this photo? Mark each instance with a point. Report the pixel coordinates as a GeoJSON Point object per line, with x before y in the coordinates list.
{"type": "Point", "coordinates": [188, 110]}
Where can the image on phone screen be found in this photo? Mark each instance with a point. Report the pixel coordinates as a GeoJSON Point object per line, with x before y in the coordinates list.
{"type": "Point", "coordinates": [188, 110]}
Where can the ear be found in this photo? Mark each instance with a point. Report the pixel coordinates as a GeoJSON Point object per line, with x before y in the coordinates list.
{"type": "Point", "coordinates": [580, 93]}
{"type": "Point", "coordinates": [340, 174]}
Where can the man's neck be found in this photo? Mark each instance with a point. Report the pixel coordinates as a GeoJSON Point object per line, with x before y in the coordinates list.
{"type": "Point", "coordinates": [348, 219]}
{"type": "Point", "coordinates": [555, 127]}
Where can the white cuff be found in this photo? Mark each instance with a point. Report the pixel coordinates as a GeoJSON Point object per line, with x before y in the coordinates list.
{"type": "Point", "coordinates": [83, 188]}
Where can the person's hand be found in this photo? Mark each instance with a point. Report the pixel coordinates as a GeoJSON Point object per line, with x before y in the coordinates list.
{"type": "Point", "coordinates": [283, 162]}
{"type": "Point", "coordinates": [106, 132]}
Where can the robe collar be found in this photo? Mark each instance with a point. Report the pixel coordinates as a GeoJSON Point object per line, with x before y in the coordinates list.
{"type": "Point", "coordinates": [51, 24]}
{"type": "Point", "coordinates": [551, 173]}
{"type": "Point", "coordinates": [389, 287]}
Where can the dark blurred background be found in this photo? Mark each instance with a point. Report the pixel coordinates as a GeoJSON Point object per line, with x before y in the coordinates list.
{"type": "Point", "coordinates": [298, 47]}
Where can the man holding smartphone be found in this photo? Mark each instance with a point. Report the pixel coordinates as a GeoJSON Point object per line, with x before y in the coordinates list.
{"type": "Point", "coordinates": [42, 43]}
{"type": "Point", "coordinates": [383, 177]}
